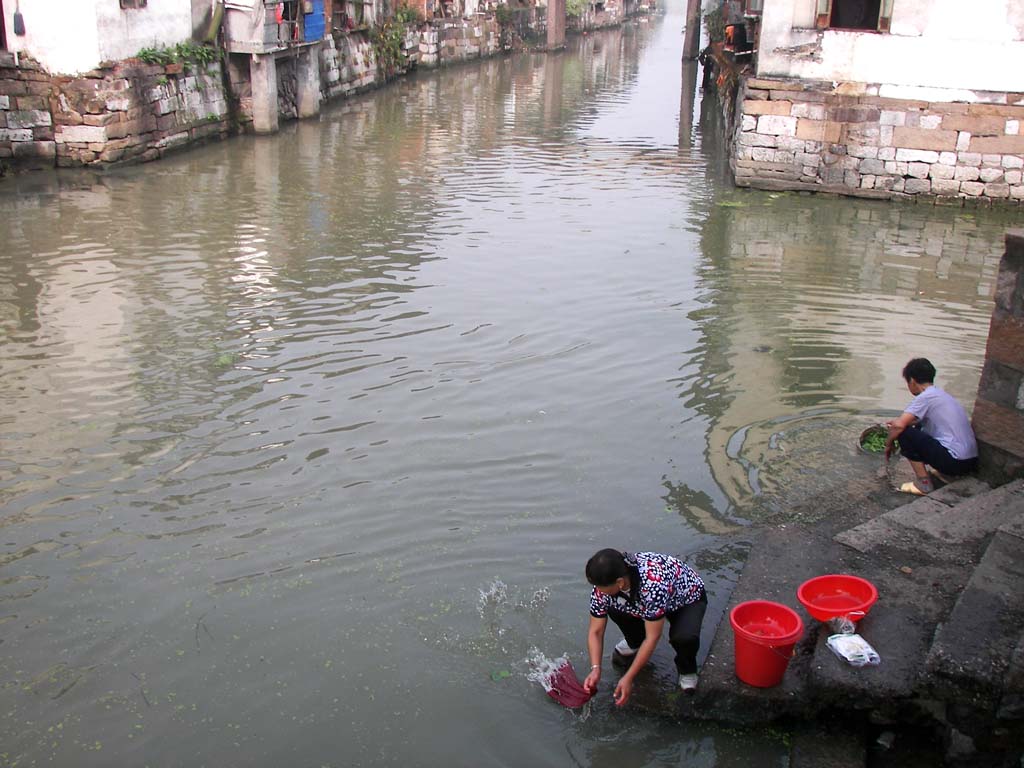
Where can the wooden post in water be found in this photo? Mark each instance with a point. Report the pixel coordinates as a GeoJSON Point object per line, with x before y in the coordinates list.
{"type": "Point", "coordinates": [691, 43]}
{"type": "Point", "coordinates": [556, 24]}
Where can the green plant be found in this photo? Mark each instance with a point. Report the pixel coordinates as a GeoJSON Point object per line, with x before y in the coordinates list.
{"type": "Point", "coordinates": [406, 15]}
{"type": "Point", "coordinates": [387, 47]}
{"type": "Point", "coordinates": [714, 22]}
{"type": "Point", "coordinates": [575, 8]}
{"type": "Point", "coordinates": [504, 15]}
{"type": "Point", "coordinates": [182, 52]}
{"type": "Point", "coordinates": [157, 55]}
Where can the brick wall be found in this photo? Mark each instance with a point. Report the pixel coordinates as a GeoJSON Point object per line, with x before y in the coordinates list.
{"type": "Point", "coordinates": [999, 408]}
{"type": "Point", "coordinates": [794, 134]}
{"type": "Point", "coordinates": [113, 115]}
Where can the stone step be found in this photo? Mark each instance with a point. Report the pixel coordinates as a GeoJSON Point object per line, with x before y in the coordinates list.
{"type": "Point", "coordinates": [780, 560]}
{"type": "Point", "coordinates": [974, 648]}
{"type": "Point", "coordinates": [900, 627]}
{"type": "Point", "coordinates": [827, 744]}
{"type": "Point", "coordinates": [950, 524]}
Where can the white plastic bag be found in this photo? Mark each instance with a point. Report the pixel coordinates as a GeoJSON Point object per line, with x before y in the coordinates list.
{"type": "Point", "coordinates": [854, 649]}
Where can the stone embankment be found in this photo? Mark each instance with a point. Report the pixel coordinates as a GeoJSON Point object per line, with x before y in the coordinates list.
{"type": "Point", "coordinates": [133, 112]}
{"type": "Point", "coordinates": [125, 112]}
{"type": "Point", "coordinates": [851, 139]}
{"type": "Point", "coordinates": [949, 622]}
{"type": "Point", "coordinates": [949, 626]}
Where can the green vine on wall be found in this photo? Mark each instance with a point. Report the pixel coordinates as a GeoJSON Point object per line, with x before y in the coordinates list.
{"type": "Point", "coordinates": [504, 15]}
{"type": "Point", "coordinates": [180, 53]}
{"type": "Point", "coordinates": [406, 15]}
{"type": "Point", "coordinates": [387, 47]}
{"type": "Point", "coordinates": [575, 8]}
{"type": "Point", "coordinates": [714, 22]}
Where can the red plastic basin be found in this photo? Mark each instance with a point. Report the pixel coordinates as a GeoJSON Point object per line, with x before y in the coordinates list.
{"type": "Point", "coordinates": [836, 594]}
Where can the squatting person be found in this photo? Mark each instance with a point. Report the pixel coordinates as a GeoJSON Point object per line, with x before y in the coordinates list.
{"type": "Point", "coordinates": [933, 431]}
{"type": "Point", "coordinates": [640, 592]}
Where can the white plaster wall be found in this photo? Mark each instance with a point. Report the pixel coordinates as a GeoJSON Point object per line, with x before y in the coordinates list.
{"type": "Point", "coordinates": [939, 45]}
{"type": "Point", "coordinates": [72, 36]}
{"type": "Point", "coordinates": [60, 34]}
{"type": "Point", "coordinates": [123, 33]}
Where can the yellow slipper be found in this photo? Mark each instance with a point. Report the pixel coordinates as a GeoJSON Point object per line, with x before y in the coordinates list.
{"type": "Point", "coordinates": [911, 487]}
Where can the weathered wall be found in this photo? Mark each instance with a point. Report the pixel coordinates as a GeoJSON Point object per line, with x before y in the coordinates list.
{"type": "Point", "coordinates": [123, 113]}
{"type": "Point", "coordinates": [26, 125]}
{"type": "Point", "coordinates": [595, 16]}
{"type": "Point", "coordinates": [347, 65]}
{"type": "Point", "coordinates": [123, 32]}
{"type": "Point", "coordinates": [465, 39]}
{"type": "Point", "coordinates": [937, 50]}
{"type": "Point", "coordinates": [93, 31]}
{"type": "Point", "coordinates": [998, 417]}
{"type": "Point", "coordinates": [134, 112]}
{"type": "Point", "coordinates": [422, 45]}
{"type": "Point", "coordinates": [850, 140]}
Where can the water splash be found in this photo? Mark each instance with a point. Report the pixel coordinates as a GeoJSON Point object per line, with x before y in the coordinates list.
{"type": "Point", "coordinates": [543, 669]}
{"type": "Point", "coordinates": [546, 671]}
{"type": "Point", "coordinates": [495, 600]}
{"type": "Point", "coordinates": [491, 600]}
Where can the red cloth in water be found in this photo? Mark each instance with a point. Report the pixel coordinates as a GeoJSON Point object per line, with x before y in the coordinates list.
{"type": "Point", "coordinates": [566, 689]}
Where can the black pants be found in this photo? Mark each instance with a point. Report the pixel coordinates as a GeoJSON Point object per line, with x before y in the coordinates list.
{"type": "Point", "coordinates": [918, 445]}
{"type": "Point", "coordinates": [683, 631]}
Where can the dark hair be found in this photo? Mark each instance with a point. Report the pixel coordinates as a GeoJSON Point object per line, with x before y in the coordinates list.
{"type": "Point", "coordinates": [920, 370]}
{"type": "Point", "coordinates": [606, 567]}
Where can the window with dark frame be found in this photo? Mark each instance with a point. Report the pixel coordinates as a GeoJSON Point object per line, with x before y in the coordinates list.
{"type": "Point", "coordinates": [854, 15]}
{"type": "Point", "coordinates": [128, 5]}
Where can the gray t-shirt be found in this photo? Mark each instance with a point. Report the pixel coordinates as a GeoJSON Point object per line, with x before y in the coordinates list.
{"type": "Point", "coordinates": [942, 417]}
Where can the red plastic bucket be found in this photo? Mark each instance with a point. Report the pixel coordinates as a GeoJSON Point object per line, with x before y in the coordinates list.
{"type": "Point", "coordinates": [764, 633]}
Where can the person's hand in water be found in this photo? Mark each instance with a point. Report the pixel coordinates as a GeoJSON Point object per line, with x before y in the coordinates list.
{"type": "Point", "coordinates": [623, 690]}
{"type": "Point", "coordinates": [590, 684]}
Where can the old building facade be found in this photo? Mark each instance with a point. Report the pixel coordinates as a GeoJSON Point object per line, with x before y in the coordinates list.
{"type": "Point", "coordinates": [885, 98]}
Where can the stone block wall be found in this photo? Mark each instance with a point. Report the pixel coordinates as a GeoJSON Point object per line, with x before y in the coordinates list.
{"type": "Point", "coordinates": [422, 46]}
{"type": "Point", "coordinates": [998, 416]}
{"type": "Point", "coordinates": [608, 15]}
{"type": "Point", "coordinates": [795, 134]}
{"type": "Point", "coordinates": [26, 125]}
{"type": "Point", "coordinates": [118, 114]}
{"type": "Point", "coordinates": [347, 65]}
{"type": "Point", "coordinates": [465, 39]}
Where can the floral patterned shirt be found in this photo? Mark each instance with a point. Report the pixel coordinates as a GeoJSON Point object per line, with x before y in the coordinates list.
{"type": "Point", "coordinates": [666, 584]}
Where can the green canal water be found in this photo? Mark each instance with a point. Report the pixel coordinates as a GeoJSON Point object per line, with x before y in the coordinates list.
{"type": "Point", "coordinates": [306, 438]}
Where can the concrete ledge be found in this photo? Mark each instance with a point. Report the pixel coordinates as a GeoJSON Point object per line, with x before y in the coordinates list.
{"type": "Point", "coordinates": [949, 524]}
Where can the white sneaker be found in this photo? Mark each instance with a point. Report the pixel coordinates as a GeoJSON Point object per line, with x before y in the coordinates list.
{"type": "Point", "coordinates": [688, 683]}
{"type": "Point", "coordinates": [623, 648]}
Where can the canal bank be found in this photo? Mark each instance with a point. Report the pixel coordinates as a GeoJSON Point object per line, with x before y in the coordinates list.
{"type": "Point", "coordinates": [892, 101]}
{"type": "Point", "coordinates": [264, 395]}
{"type": "Point", "coordinates": [256, 72]}
{"type": "Point", "coordinates": [949, 571]}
